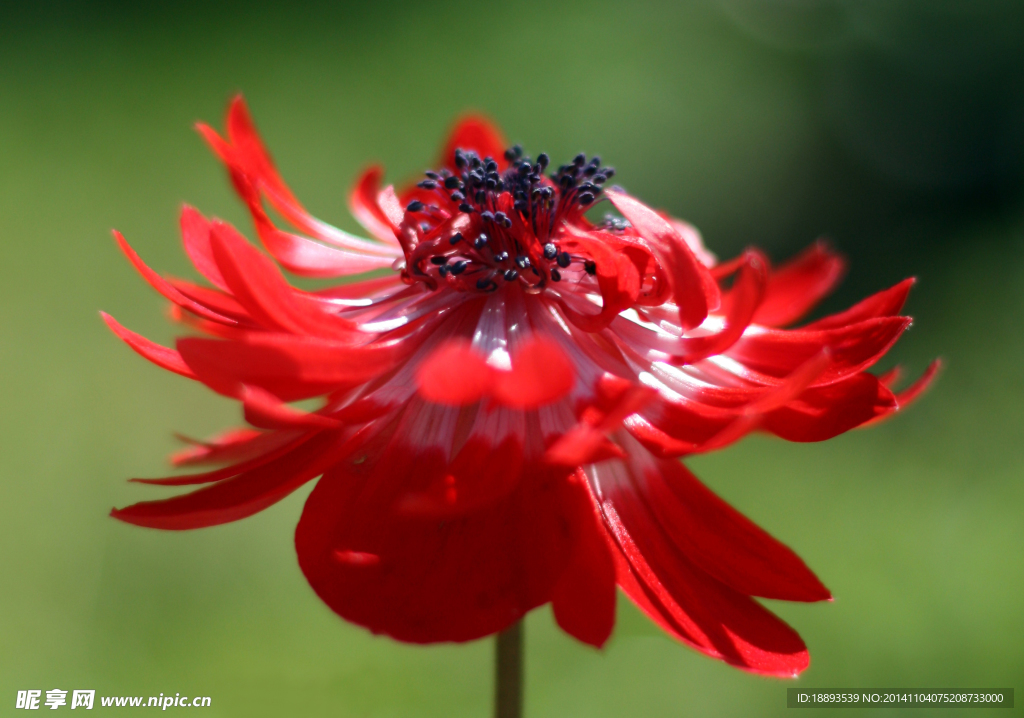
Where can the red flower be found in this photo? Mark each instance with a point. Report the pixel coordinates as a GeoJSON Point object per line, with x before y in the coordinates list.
{"type": "Point", "coordinates": [503, 409]}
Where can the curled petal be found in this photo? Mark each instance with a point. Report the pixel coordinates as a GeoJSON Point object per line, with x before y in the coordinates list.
{"type": "Point", "coordinates": [266, 411]}
{"type": "Point", "coordinates": [909, 395]}
{"type": "Point", "coordinates": [822, 412]}
{"type": "Point", "coordinates": [164, 287]}
{"type": "Point", "coordinates": [744, 299]}
{"type": "Point", "coordinates": [587, 442]}
{"type": "Point", "coordinates": [258, 285]}
{"type": "Point", "coordinates": [886, 303]}
{"type": "Point", "coordinates": [159, 355]}
{"type": "Point", "coordinates": [306, 257]}
{"type": "Point", "coordinates": [693, 288]}
{"type": "Point", "coordinates": [777, 353]}
{"type": "Point", "coordinates": [238, 497]}
{"type": "Point", "coordinates": [231, 445]}
{"type": "Point", "coordinates": [795, 287]}
{"type": "Point", "coordinates": [617, 279]}
{"type": "Point", "coordinates": [244, 154]}
{"type": "Point", "coordinates": [364, 201]}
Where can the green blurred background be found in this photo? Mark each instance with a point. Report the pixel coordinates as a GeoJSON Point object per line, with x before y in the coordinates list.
{"type": "Point", "coordinates": [894, 128]}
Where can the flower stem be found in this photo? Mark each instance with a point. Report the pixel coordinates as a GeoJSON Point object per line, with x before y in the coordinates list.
{"type": "Point", "coordinates": [508, 672]}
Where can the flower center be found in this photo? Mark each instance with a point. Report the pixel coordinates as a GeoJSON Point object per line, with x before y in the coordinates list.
{"type": "Point", "coordinates": [479, 227]}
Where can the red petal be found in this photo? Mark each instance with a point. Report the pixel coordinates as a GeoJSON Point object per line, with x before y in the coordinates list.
{"type": "Point", "coordinates": [799, 284]}
{"type": "Point", "coordinates": [909, 395]}
{"type": "Point", "coordinates": [164, 287]}
{"type": "Point", "coordinates": [694, 241]}
{"type": "Point", "coordinates": [238, 497]}
{"type": "Point", "coordinates": [886, 303]}
{"type": "Point", "coordinates": [475, 133]}
{"type": "Point", "coordinates": [287, 442]}
{"type": "Point", "coordinates": [912, 392]}
{"type": "Point", "coordinates": [822, 412]}
{"type": "Point", "coordinates": [584, 597]}
{"type": "Point", "coordinates": [721, 541]}
{"type": "Point", "coordinates": [743, 302]}
{"type": "Point", "coordinates": [541, 373]}
{"type": "Point", "coordinates": [231, 445]}
{"type": "Point", "coordinates": [587, 442]}
{"type": "Point", "coordinates": [691, 605]}
{"type": "Point", "coordinates": [480, 475]}
{"type": "Point", "coordinates": [617, 278]}
{"type": "Point", "coordinates": [266, 411]}
{"type": "Point", "coordinates": [454, 375]}
{"type": "Point", "coordinates": [454, 580]}
{"type": "Point", "coordinates": [778, 352]}
{"type": "Point", "coordinates": [289, 367]}
{"type": "Point", "coordinates": [214, 300]}
{"type": "Point", "coordinates": [195, 234]}
{"type": "Point", "coordinates": [693, 287]}
{"type": "Point", "coordinates": [365, 206]}
{"type": "Point", "coordinates": [260, 288]}
{"type": "Point", "coordinates": [159, 355]}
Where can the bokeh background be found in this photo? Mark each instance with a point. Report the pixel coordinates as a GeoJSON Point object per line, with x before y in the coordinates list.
{"type": "Point", "coordinates": [895, 128]}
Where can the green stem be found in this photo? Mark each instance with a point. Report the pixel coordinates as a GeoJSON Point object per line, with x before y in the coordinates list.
{"type": "Point", "coordinates": [508, 672]}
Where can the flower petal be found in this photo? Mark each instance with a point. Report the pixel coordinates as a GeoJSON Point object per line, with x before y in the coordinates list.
{"type": "Point", "coordinates": [195, 235]}
{"type": "Point", "coordinates": [718, 539]}
{"type": "Point", "coordinates": [693, 287]}
{"type": "Point", "coordinates": [164, 287]}
{"type": "Point", "coordinates": [453, 580]}
{"type": "Point", "coordinates": [288, 367]}
{"type": "Point", "coordinates": [777, 352]}
{"type": "Point", "coordinates": [160, 355]}
{"type": "Point", "coordinates": [886, 303]}
{"type": "Point", "coordinates": [258, 285]}
{"type": "Point", "coordinates": [240, 496]}
{"type": "Point", "coordinates": [306, 257]}
{"type": "Point", "coordinates": [231, 445]}
{"type": "Point", "coordinates": [475, 133]}
{"type": "Point", "coordinates": [454, 374]}
{"type": "Point", "coordinates": [822, 412]}
{"type": "Point", "coordinates": [617, 278]}
{"type": "Point", "coordinates": [364, 202]}
{"type": "Point", "coordinates": [584, 597]}
{"type": "Point", "coordinates": [684, 600]}
{"type": "Point", "coordinates": [245, 155]}
{"type": "Point", "coordinates": [795, 287]}
{"type": "Point", "coordinates": [541, 373]}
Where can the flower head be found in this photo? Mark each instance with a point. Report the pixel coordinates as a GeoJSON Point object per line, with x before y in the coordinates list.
{"type": "Point", "coordinates": [503, 409]}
